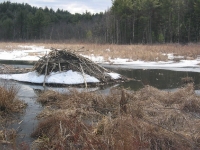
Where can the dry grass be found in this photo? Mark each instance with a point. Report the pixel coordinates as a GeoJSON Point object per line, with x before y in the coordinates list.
{"type": "Point", "coordinates": [9, 105]}
{"type": "Point", "coordinates": [131, 52]}
{"type": "Point", "coordinates": [7, 136]}
{"type": "Point", "coordinates": [64, 131]}
{"type": "Point", "coordinates": [151, 119]}
{"type": "Point", "coordinates": [8, 102]}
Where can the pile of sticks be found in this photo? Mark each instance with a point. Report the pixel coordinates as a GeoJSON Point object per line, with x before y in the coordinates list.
{"type": "Point", "coordinates": [64, 60]}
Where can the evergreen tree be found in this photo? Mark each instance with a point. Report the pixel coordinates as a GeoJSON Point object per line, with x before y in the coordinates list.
{"type": "Point", "coordinates": [128, 21]}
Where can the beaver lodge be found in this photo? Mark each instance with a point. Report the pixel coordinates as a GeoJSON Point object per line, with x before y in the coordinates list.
{"type": "Point", "coordinates": [65, 60]}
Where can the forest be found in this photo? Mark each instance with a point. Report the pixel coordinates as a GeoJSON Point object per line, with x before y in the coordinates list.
{"type": "Point", "coordinates": [126, 22]}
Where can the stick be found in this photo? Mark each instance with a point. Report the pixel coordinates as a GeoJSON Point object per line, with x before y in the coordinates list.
{"type": "Point", "coordinates": [61, 130]}
{"type": "Point", "coordinates": [59, 66]}
{"type": "Point", "coordinates": [46, 70]}
{"type": "Point", "coordinates": [54, 65]}
{"type": "Point", "coordinates": [83, 76]}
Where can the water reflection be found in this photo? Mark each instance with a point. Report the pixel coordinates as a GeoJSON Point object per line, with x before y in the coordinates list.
{"type": "Point", "coordinates": [161, 79]}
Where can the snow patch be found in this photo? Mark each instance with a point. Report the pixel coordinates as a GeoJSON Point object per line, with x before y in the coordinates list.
{"type": "Point", "coordinates": [114, 75]}
{"type": "Point", "coordinates": [26, 54]}
{"type": "Point", "coordinates": [69, 77]}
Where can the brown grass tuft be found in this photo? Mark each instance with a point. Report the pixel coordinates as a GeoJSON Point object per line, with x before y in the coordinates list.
{"type": "Point", "coordinates": [9, 104]}
{"type": "Point", "coordinates": [8, 101]}
{"type": "Point", "coordinates": [7, 136]}
{"type": "Point", "coordinates": [49, 97]}
{"type": "Point", "coordinates": [64, 132]}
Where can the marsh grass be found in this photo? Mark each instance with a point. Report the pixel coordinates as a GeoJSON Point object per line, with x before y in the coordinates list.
{"type": "Point", "coordinates": [131, 52]}
{"type": "Point", "coordinates": [7, 135]}
{"type": "Point", "coordinates": [9, 105]}
{"type": "Point", "coordinates": [153, 119]}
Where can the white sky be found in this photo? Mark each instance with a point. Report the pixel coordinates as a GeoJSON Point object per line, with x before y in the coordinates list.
{"type": "Point", "coordinates": [73, 6]}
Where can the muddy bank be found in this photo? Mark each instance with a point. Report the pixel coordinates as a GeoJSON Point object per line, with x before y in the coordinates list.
{"type": "Point", "coordinates": [13, 69]}
{"type": "Point", "coordinates": [17, 62]}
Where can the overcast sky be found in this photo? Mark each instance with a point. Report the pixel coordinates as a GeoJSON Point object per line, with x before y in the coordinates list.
{"type": "Point", "coordinates": [73, 6]}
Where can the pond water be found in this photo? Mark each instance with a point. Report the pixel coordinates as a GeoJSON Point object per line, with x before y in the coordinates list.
{"type": "Point", "coordinates": [161, 79]}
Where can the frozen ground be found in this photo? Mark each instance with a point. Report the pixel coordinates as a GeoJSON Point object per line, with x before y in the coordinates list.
{"type": "Point", "coordinates": [33, 53]}
{"type": "Point", "coordinates": [182, 65]}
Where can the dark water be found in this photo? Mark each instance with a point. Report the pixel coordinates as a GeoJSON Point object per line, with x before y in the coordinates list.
{"type": "Point", "coordinates": [28, 119]}
{"type": "Point", "coordinates": [161, 79]}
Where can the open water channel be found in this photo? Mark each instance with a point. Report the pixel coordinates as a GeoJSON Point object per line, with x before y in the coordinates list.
{"type": "Point", "coordinates": [161, 79]}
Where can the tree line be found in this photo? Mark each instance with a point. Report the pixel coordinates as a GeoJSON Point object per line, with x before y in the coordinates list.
{"type": "Point", "coordinates": [156, 21]}
{"type": "Point", "coordinates": [126, 22]}
{"type": "Point", "coordinates": [24, 22]}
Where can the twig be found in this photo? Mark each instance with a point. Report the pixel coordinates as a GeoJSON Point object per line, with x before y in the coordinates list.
{"type": "Point", "coordinates": [46, 70]}
{"type": "Point", "coordinates": [61, 130]}
{"type": "Point", "coordinates": [83, 76]}
{"type": "Point", "coordinates": [59, 66]}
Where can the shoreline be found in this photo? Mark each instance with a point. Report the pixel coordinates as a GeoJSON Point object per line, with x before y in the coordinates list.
{"type": "Point", "coordinates": [17, 62]}
{"type": "Point", "coordinates": [173, 66]}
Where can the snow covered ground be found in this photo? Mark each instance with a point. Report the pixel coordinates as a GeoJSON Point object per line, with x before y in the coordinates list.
{"type": "Point", "coordinates": [68, 77]}
{"type": "Point", "coordinates": [33, 53]}
{"type": "Point", "coordinates": [30, 53]}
